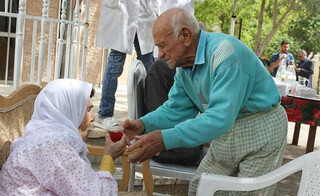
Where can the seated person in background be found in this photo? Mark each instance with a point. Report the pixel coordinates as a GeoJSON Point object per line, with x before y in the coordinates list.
{"type": "Point", "coordinates": [51, 157]}
{"type": "Point", "coordinates": [158, 83]}
{"type": "Point", "coordinates": [265, 62]}
{"type": "Point", "coordinates": [305, 67]}
{"type": "Point", "coordinates": [282, 57]}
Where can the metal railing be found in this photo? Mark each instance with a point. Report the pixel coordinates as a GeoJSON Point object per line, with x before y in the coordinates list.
{"type": "Point", "coordinates": [68, 41]}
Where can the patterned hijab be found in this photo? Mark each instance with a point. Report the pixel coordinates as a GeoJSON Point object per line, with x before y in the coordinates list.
{"type": "Point", "coordinates": [58, 112]}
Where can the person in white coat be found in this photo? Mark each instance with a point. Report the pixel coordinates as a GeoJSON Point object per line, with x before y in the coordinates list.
{"type": "Point", "coordinates": [123, 24]}
{"type": "Point", "coordinates": [185, 4]}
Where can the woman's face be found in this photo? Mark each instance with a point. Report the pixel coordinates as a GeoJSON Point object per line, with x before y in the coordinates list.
{"type": "Point", "coordinates": [84, 127]}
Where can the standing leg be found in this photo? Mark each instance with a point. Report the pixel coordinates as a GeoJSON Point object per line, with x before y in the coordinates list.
{"type": "Point", "coordinates": [146, 59]}
{"type": "Point", "coordinates": [254, 146]}
{"type": "Point", "coordinates": [113, 70]}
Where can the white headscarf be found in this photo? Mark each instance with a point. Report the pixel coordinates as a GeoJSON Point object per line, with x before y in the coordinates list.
{"type": "Point", "coordinates": [58, 112]}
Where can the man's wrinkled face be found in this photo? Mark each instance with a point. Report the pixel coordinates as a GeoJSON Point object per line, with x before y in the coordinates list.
{"type": "Point", "coordinates": [84, 127]}
{"type": "Point", "coordinates": [301, 56]}
{"type": "Point", "coordinates": [284, 48]}
{"type": "Point", "coordinates": [170, 49]}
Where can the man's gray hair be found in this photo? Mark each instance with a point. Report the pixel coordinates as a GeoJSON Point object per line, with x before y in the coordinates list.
{"type": "Point", "coordinates": [303, 52]}
{"type": "Point", "coordinates": [183, 17]}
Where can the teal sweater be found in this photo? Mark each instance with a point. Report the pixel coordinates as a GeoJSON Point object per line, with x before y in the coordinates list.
{"type": "Point", "coordinates": [227, 82]}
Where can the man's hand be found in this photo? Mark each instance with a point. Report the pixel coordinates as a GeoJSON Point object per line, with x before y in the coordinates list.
{"type": "Point", "coordinates": [284, 56]}
{"type": "Point", "coordinates": [115, 149]}
{"type": "Point", "coordinates": [149, 144]}
{"type": "Point", "coordinates": [297, 69]}
{"type": "Point", "coordinates": [133, 128]}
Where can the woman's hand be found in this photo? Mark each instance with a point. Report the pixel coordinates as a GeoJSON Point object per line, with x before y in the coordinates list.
{"type": "Point", "coordinates": [115, 149]}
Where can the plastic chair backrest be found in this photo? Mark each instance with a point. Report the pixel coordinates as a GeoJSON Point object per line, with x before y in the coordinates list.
{"type": "Point", "coordinates": [136, 80]}
{"type": "Point", "coordinates": [309, 184]}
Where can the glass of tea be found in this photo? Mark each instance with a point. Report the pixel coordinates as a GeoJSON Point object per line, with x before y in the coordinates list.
{"type": "Point", "coordinates": [116, 133]}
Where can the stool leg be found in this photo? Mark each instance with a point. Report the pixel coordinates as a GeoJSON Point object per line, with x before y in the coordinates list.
{"type": "Point", "coordinates": [296, 134]}
{"type": "Point", "coordinates": [311, 138]}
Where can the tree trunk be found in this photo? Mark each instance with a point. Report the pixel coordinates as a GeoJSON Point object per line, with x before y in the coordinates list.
{"type": "Point", "coordinates": [233, 17]}
{"type": "Point", "coordinates": [259, 45]}
{"type": "Point", "coordinates": [260, 23]}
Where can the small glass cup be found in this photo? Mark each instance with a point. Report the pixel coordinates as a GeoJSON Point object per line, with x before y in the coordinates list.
{"type": "Point", "coordinates": [116, 133]}
{"type": "Point", "coordinates": [294, 88]}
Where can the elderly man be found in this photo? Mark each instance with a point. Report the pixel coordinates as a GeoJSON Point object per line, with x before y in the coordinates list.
{"type": "Point", "coordinates": [221, 92]}
{"type": "Point", "coordinates": [305, 67]}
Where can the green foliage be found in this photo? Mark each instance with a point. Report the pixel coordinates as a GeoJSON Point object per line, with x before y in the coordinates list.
{"type": "Point", "coordinates": [213, 13]}
{"type": "Point", "coordinates": [307, 31]}
{"type": "Point", "coordinates": [301, 27]}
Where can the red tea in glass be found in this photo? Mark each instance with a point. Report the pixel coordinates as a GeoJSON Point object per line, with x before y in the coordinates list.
{"type": "Point", "coordinates": [116, 133]}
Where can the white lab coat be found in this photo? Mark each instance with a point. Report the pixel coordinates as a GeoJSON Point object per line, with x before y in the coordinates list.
{"type": "Point", "coordinates": [120, 20]}
{"type": "Point", "coordinates": [185, 4]}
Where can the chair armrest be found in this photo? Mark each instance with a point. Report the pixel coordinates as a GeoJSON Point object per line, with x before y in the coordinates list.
{"type": "Point", "coordinates": [147, 176]}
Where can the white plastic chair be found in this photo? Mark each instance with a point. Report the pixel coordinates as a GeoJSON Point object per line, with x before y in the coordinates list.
{"type": "Point", "coordinates": [309, 184]}
{"type": "Point", "coordinates": [136, 83]}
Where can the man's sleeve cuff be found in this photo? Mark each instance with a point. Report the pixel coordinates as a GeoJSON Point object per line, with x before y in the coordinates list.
{"type": "Point", "coordinates": [170, 138]}
{"type": "Point", "coordinates": [145, 121]}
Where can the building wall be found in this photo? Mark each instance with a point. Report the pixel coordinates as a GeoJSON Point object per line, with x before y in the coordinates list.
{"type": "Point", "coordinates": [94, 54]}
{"type": "Point", "coordinates": [34, 8]}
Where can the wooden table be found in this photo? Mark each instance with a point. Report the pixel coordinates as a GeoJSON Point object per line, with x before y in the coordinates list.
{"type": "Point", "coordinates": [302, 110]}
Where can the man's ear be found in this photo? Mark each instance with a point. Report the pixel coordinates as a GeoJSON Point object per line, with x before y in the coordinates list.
{"type": "Point", "coordinates": [186, 35]}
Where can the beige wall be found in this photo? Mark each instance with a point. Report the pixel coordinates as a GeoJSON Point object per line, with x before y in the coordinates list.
{"type": "Point", "coordinates": [316, 73]}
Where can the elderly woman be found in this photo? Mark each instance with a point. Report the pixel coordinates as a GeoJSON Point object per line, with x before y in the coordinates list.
{"type": "Point", "coordinates": [51, 157]}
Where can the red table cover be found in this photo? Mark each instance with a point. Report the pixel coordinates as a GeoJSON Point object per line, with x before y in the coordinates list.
{"type": "Point", "coordinates": [301, 110]}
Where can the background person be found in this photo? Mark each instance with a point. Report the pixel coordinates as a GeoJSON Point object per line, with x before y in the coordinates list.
{"type": "Point", "coordinates": [223, 79]}
{"type": "Point", "coordinates": [283, 57]}
{"type": "Point", "coordinates": [123, 24]}
{"type": "Point", "coordinates": [51, 157]}
{"type": "Point", "coordinates": [305, 67]}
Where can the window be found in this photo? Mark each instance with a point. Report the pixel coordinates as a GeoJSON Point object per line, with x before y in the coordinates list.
{"type": "Point", "coordinates": [7, 38]}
